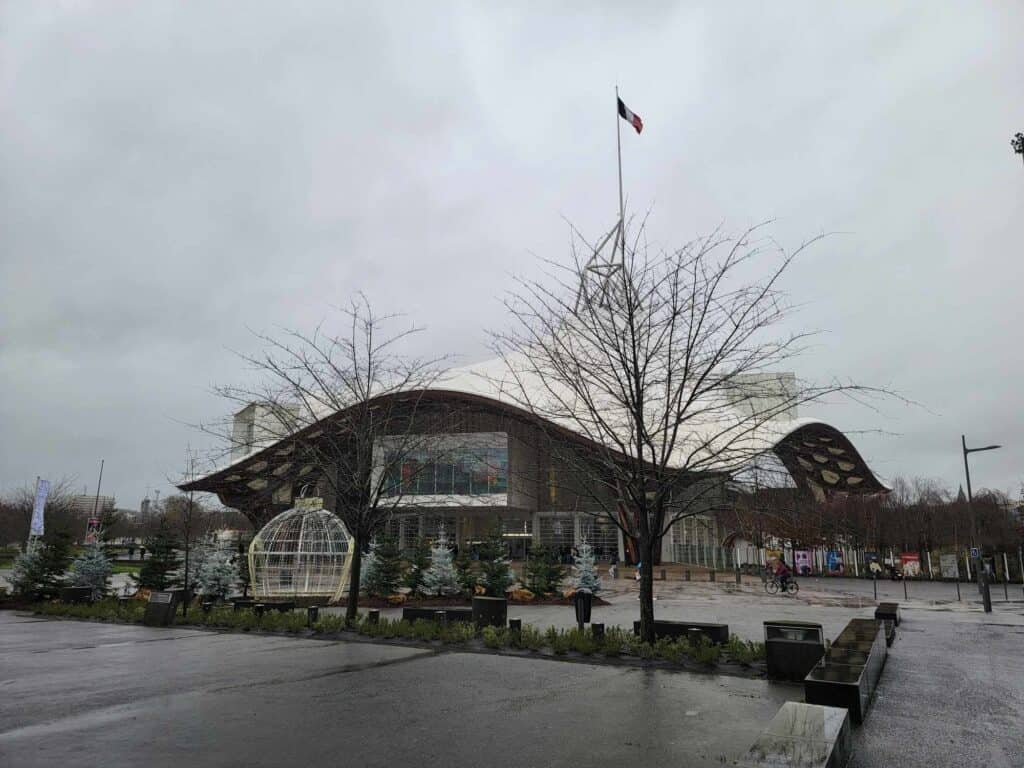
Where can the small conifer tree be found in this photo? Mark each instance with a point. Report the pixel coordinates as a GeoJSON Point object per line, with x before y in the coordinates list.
{"type": "Point", "coordinates": [218, 575]}
{"type": "Point", "coordinates": [93, 569]}
{"type": "Point", "coordinates": [465, 573]}
{"type": "Point", "coordinates": [160, 569]}
{"type": "Point", "coordinates": [419, 561]}
{"type": "Point", "coordinates": [584, 572]}
{"type": "Point", "coordinates": [441, 578]}
{"type": "Point", "coordinates": [543, 572]}
{"type": "Point", "coordinates": [495, 573]}
{"type": "Point", "coordinates": [28, 574]}
{"type": "Point", "coordinates": [382, 568]}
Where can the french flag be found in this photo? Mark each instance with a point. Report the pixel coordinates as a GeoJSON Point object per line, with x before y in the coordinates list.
{"type": "Point", "coordinates": [630, 117]}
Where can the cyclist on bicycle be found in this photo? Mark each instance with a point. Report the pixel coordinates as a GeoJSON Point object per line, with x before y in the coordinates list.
{"type": "Point", "coordinates": [783, 573]}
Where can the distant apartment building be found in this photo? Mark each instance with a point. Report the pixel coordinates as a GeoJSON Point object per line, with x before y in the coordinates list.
{"type": "Point", "coordinates": [84, 504]}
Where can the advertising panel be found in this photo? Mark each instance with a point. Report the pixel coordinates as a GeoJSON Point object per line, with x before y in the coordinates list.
{"type": "Point", "coordinates": [834, 562]}
{"type": "Point", "coordinates": [92, 530]}
{"type": "Point", "coordinates": [910, 562]}
{"type": "Point", "coordinates": [42, 491]}
{"type": "Point", "coordinates": [950, 566]}
{"type": "Point", "coordinates": [802, 561]}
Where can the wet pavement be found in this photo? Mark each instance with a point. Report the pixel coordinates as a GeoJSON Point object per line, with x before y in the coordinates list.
{"type": "Point", "coordinates": [86, 694]}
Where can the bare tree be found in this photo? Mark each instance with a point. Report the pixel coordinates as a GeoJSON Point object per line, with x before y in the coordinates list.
{"type": "Point", "coordinates": [348, 406]}
{"type": "Point", "coordinates": [663, 363]}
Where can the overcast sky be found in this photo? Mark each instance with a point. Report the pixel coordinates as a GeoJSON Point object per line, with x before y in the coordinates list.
{"type": "Point", "coordinates": [173, 174]}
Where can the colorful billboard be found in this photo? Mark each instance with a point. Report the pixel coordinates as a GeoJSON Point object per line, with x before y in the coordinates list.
{"type": "Point", "coordinates": [910, 563]}
{"type": "Point", "coordinates": [834, 562]}
{"type": "Point", "coordinates": [802, 561]}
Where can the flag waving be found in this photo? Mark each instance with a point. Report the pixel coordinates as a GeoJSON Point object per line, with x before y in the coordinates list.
{"type": "Point", "coordinates": [630, 117]}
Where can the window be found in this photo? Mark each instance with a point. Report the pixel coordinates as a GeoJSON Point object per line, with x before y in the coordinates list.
{"type": "Point", "coordinates": [476, 466]}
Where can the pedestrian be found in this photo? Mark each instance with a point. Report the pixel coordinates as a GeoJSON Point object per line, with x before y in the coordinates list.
{"type": "Point", "coordinates": [613, 572]}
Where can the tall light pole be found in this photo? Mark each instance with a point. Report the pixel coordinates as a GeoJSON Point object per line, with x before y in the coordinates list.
{"type": "Point", "coordinates": [967, 472]}
{"type": "Point", "coordinates": [982, 576]}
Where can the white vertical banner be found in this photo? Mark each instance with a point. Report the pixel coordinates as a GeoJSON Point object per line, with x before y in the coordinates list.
{"type": "Point", "coordinates": [42, 491]}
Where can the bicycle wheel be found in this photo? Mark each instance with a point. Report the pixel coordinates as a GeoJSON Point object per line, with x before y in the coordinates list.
{"type": "Point", "coordinates": [792, 588]}
{"type": "Point", "coordinates": [771, 587]}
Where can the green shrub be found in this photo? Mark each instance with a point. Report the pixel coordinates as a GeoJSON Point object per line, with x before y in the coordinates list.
{"type": "Point", "coordinates": [528, 637]}
{"type": "Point", "coordinates": [424, 630]}
{"type": "Point", "coordinates": [705, 652]}
{"type": "Point", "coordinates": [744, 651]}
{"type": "Point", "coordinates": [457, 633]}
{"type": "Point", "coordinates": [329, 624]}
{"type": "Point", "coordinates": [493, 637]}
{"type": "Point", "coordinates": [562, 643]}
{"type": "Point", "coordinates": [672, 650]}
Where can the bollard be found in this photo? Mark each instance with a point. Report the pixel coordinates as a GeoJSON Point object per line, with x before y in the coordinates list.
{"type": "Point", "coordinates": [259, 609]}
{"type": "Point", "coordinates": [905, 595]}
{"type": "Point", "coordinates": [663, 578]}
{"type": "Point", "coordinates": [739, 577]}
{"type": "Point", "coordinates": [373, 616]}
{"type": "Point", "coordinates": [711, 575]}
{"type": "Point", "coordinates": [694, 636]}
{"type": "Point", "coordinates": [515, 625]}
{"type": "Point", "coordinates": [875, 585]}
{"type": "Point", "coordinates": [207, 606]}
{"type": "Point", "coordinates": [686, 575]}
{"type": "Point", "coordinates": [598, 631]}
{"type": "Point", "coordinates": [958, 589]}
{"type": "Point", "coordinates": [312, 614]}
{"type": "Point", "coordinates": [441, 617]}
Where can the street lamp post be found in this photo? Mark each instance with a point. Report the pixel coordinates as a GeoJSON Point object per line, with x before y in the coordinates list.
{"type": "Point", "coordinates": [982, 577]}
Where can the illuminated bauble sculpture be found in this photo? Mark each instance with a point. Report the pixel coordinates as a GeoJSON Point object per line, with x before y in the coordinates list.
{"type": "Point", "coordinates": [304, 552]}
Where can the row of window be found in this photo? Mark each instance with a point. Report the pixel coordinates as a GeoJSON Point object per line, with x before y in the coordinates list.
{"type": "Point", "coordinates": [463, 471]}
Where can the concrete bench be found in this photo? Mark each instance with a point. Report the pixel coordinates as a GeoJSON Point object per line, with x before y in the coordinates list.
{"type": "Point", "coordinates": [804, 735]}
{"type": "Point", "coordinates": [848, 674]}
{"type": "Point", "coordinates": [888, 612]}
{"type": "Point", "coordinates": [451, 613]}
{"type": "Point", "coordinates": [716, 633]}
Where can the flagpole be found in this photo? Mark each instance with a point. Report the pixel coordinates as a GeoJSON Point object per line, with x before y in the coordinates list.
{"type": "Point", "coordinates": [618, 145]}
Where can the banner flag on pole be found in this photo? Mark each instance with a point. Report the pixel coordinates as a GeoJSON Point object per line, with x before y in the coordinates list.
{"type": "Point", "coordinates": [630, 117]}
{"type": "Point", "coordinates": [38, 507]}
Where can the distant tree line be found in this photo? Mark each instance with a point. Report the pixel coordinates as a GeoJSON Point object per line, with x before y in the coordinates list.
{"type": "Point", "coordinates": [919, 514]}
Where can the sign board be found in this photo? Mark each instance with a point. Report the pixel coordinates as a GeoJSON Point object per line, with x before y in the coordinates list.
{"type": "Point", "coordinates": [160, 609]}
{"type": "Point", "coordinates": [772, 554]}
{"type": "Point", "coordinates": [802, 561]}
{"type": "Point", "coordinates": [910, 562]}
{"type": "Point", "coordinates": [38, 506]}
{"type": "Point", "coordinates": [92, 530]}
{"type": "Point", "coordinates": [834, 561]}
{"type": "Point", "coordinates": [310, 504]}
{"type": "Point", "coordinates": [975, 553]}
{"type": "Point", "coordinates": [950, 566]}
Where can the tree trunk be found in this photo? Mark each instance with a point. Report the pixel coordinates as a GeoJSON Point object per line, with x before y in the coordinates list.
{"type": "Point", "coordinates": [352, 606]}
{"type": "Point", "coordinates": [647, 591]}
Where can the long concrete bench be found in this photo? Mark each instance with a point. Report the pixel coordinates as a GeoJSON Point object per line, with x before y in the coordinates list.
{"type": "Point", "coordinates": [888, 612]}
{"type": "Point", "coordinates": [804, 735]}
{"type": "Point", "coordinates": [716, 633]}
{"type": "Point", "coordinates": [848, 674]}
{"type": "Point", "coordinates": [451, 613]}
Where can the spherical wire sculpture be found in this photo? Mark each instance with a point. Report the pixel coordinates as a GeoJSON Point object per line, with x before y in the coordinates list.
{"type": "Point", "coordinates": [303, 552]}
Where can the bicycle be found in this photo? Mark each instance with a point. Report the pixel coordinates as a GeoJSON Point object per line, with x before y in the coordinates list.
{"type": "Point", "coordinates": [772, 586]}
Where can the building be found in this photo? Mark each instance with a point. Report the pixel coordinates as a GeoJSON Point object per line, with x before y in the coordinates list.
{"type": "Point", "coordinates": [482, 459]}
{"type": "Point", "coordinates": [85, 504]}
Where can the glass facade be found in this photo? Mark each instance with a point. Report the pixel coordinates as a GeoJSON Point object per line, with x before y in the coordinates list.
{"type": "Point", "coordinates": [460, 470]}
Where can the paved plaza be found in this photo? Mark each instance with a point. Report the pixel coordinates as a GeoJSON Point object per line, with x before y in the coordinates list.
{"type": "Point", "coordinates": [92, 694]}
